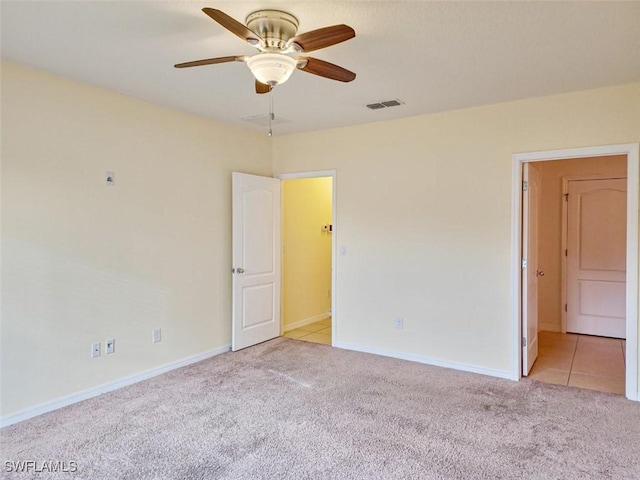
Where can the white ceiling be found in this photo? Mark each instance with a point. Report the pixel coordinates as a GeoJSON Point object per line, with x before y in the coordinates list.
{"type": "Point", "coordinates": [434, 56]}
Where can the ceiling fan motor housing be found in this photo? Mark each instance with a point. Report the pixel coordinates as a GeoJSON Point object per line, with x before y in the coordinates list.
{"type": "Point", "coordinates": [274, 26]}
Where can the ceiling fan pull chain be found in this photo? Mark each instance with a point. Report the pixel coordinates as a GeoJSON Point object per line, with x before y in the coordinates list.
{"type": "Point", "coordinates": [271, 114]}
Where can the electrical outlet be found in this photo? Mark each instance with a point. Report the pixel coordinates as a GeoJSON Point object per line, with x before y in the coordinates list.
{"type": "Point", "coordinates": [399, 322]}
{"type": "Point", "coordinates": [95, 349]}
{"type": "Point", "coordinates": [156, 335]}
{"type": "Point", "coordinates": [110, 346]}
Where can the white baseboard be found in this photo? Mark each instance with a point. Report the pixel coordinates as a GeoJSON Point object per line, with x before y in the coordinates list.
{"type": "Point", "coordinates": [427, 360]}
{"type": "Point", "coordinates": [305, 322]}
{"type": "Point", "coordinates": [549, 327]}
{"type": "Point", "coordinates": [108, 387]}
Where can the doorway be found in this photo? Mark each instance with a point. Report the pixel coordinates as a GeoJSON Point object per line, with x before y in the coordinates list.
{"type": "Point", "coordinates": [520, 268]}
{"type": "Point", "coordinates": [256, 257]}
{"type": "Point", "coordinates": [581, 260]}
{"type": "Point", "coordinates": [308, 256]}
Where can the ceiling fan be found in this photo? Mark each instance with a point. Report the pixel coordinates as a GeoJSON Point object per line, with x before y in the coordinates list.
{"type": "Point", "coordinates": [273, 33]}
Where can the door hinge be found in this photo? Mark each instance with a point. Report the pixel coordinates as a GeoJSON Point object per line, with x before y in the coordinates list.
{"type": "Point", "coordinates": [566, 197]}
{"type": "Point", "coordinates": [525, 185]}
{"type": "Point", "coordinates": [524, 341]}
{"type": "Point", "coordinates": [565, 308]}
{"type": "Point", "coordinates": [566, 252]}
{"type": "Point", "coordinates": [524, 263]}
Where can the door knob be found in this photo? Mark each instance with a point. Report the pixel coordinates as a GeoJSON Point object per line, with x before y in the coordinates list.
{"type": "Point", "coordinates": [539, 273]}
{"type": "Point", "coordinates": [241, 270]}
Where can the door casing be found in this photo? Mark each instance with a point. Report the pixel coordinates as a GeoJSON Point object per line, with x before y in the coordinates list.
{"type": "Point", "coordinates": [334, 243]}
{"type": "Point", "coordinates": [632, 152]}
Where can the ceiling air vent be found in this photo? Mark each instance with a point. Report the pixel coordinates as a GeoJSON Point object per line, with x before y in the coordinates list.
{"type": "Point", "coordinates": [385, 104]}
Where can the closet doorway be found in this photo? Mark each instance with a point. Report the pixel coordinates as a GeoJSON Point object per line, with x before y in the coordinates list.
{"type": "Point", "coordinates": [308, 231]}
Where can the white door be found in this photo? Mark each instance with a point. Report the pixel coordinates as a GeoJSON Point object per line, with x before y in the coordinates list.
{"type": "Point", "coordinates": [256, 259]}
{"type": "Point", "coordinates": [530, 272]}
{"type": "Point", "coordinates": [596, 257]}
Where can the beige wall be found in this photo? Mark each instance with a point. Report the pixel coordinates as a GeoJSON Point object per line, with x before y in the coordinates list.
{"type": "Point", "coordinates": [424, 209]}
{"type": "Point", "coordinates": [83, 262]}
{"type": "Point", "coordinates": [306, 275]}
{"type": "Point", "coordinates": [550, 227]}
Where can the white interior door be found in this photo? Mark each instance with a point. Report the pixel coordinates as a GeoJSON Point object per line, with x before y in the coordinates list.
{"type": "Point", "coordinates": [256, 259]}
{"type": "Point", "coordinates": [596, 257]}
{"type": "Point", "coordinates": [530, 272]}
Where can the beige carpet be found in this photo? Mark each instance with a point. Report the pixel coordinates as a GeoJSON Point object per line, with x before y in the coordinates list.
{"type": "Point", "coordinates": [291, 409]}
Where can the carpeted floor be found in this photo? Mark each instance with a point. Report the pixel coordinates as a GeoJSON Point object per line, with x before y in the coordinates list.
{"type": "Point", "coordinates": [292, 409]}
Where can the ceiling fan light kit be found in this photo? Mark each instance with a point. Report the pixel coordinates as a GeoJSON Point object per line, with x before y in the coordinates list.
{"type": "Point", "coordinates": [271, 68]}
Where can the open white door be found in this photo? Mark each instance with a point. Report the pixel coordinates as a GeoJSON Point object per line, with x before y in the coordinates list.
{"type": "Point", "coordinates": [530, 272]}
{"type": "Point", "coordinates": [256, 259]}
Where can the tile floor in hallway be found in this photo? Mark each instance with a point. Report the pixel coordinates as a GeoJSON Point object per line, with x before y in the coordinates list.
{"type": "Point", "coordinates": [595, 363]}
{"type": "Point", "coordinates": [318, 332]}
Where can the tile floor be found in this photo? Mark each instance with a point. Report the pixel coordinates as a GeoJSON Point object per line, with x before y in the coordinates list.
{"type": "Point", "coordinates": [595, 363]}
{"type": "Point", "coordinates": [319, 332]}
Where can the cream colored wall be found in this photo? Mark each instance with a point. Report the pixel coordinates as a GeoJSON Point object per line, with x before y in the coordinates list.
{"type": "Point", "coordinates": [306, 279]}
{"type": "Point", "coordinates": [424, 210]}
{"type": "Point", "coordinates": [83, 262]}
{"type": "Point", "coordinates": [550, 227]}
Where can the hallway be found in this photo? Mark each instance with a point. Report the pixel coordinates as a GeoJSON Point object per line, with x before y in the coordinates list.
{"type": "Point", "coordinates": [583, 361]}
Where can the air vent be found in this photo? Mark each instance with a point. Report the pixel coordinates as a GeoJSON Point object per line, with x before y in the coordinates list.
{"type": "Point", "coordinates": [263, 120]}
{"type": "Point", "coordinates": [385, 104]}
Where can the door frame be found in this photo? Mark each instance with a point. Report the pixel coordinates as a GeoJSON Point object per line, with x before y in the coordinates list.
{"type": "Point", "coordinates": [632, 151]}
{"type": "Point", "coordinates": [334, 242]}
{"type": "Point", "coordinates": [564, 233]}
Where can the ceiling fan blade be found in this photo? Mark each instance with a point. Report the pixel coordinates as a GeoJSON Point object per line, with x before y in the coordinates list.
{"type": "Point", "coordinates": [323, 37]}
{"type": "Point", "coordinates": [233, 25]}
{"type": "Point", "coordinates": [211, 61]}
{"type": "Point", "coordinates": [325, 69]}
{"type": "Point", "coordinates": [262, 87]}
